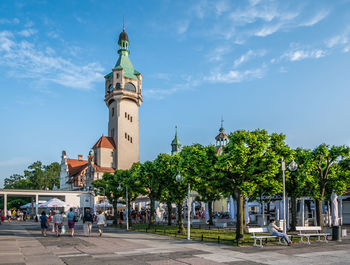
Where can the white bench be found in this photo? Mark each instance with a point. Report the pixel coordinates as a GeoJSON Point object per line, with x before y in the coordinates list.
{"type": "Point", "coordinates": [222, 225]}
{"type": "Point", "coordinates": [261, 237]}
{"type": "Point", "coordinates": [315, 231]}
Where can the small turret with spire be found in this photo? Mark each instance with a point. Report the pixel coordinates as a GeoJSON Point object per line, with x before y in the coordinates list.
{"type": "Point", "coordinates": [221, 138]}
{"type": "Point", "coordinates": [175, 144]}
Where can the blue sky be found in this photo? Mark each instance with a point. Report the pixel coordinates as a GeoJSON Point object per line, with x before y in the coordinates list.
{"type": "Point", "coordinates": [276, 65]}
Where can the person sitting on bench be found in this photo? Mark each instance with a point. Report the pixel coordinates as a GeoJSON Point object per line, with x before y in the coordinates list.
{"type": "Point", "coordinates": [274, 230]}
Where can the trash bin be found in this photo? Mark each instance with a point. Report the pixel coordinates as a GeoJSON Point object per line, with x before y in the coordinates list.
{"type": "Point", "coordinates": [336, 233]}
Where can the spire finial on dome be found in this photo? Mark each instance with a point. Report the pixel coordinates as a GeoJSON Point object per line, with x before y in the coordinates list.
{"type": "Point", "coordinates": [123, 24]}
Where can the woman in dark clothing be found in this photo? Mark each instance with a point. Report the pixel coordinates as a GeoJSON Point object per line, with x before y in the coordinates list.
{"type": "Point", "coordinates": [43, 223]}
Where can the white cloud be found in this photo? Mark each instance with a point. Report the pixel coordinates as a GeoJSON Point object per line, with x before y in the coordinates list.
{"type": "Point", "coordinates": [248, 56]}
{"type": "Point", "coordinates": [26, 60]}
{"type": "Point", "coordinates": [315, 19]}
{"type": "Point", "coordinates": [189, 83]}
{"type": "Point", "coordinates": [9, 21]}
{"type": "Point", "coordinates": [301, 54]}
{"type": "Point", "coordinates": [268, 30]}
{"type": "Point", "coordinates": [183, 27]}
{"type": "Point", "coordinates": [221, 7]}
{"type": "Point", "coordinates": [218, 53]}
{"type": "Point", "coordinates": [339, 40]}
{"type": "Point", "coordinates": [235, 76]}
{"type": "Point", "coordinates": [27, 32]}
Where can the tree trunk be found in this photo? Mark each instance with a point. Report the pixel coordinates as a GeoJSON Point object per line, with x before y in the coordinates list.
{"type": "Point", "coordinates": [115, 221]}
{"type": "Point", "coordinates": [319, 213]}
{"type": "Point", "coordinates": [210, 210]}
{"type": "Point", "coordinates": [151, 217]}
{"type": "Point", "coordinates": [239, 223]}
{"type": "Point", "coordinates": [180, 221]}
{"type": "Point", "coordinates": [170, 207]}
{"type": "Point", "coordinates": [294, 213]}
{"type": "Point", "coordinates": [244, 213]}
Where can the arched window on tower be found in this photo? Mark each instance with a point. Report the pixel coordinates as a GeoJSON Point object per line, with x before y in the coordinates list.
{"type": "Point", "coordinates": [117, 86]}
{"type": "Point", "coordinates": [130, 86]}
{"type": "Point", "coordinates": [110, 88]}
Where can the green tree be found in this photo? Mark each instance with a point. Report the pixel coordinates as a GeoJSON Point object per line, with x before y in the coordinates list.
{"type": "Point", "coordinates": [110, 183]}
{"type": "Point", "coordinates": [198, 164]}
{"type": "Point", "coordinates": [324, 168]}
{"type": "Point", "coordinates": [250, 164]}
{"type": "Point", "coordinates": [37, 176]}
{"type": "Point", "coordinates": [166, 171]}
{"type": "Point", "coordinates": [296, 182]}
{"type": "Point", "coordinates": [153, 184]}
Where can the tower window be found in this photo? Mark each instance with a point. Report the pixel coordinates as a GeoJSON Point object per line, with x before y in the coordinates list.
{"type": "Point", "coordinates": [117, 76]}
{"type": "Point", "coordinates": [130, 139]}
{"type": "Point", "coordinates": [130, 118]}
{"type": "Point", "coordinates": [130, 86]}
{"type": "Point", "coordinates": [117, 86]}
{"type": "Point", "coordinates": [112, 112]}
{"type": "Point", "coordinates": [126, 135]}
{"type": "Point", "coordinates": [126, 115]}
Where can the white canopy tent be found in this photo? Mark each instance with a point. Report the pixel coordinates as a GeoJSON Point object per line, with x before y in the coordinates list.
{"type": "Point", "coordinates": [54, 203]}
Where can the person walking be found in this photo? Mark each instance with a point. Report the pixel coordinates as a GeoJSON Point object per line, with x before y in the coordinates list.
{"type": "Point", "coordinates": [44, 223]}
{"type": "Point", "coordinates": [71, 221]}
{"type": "Point", "coordinates": [274, 230]}
{"type": "Point", "coordinates": [9, 216]}
{"type": "Point", "coordinates": [87, 221]}
{"type": "Point", "coordinates": [101, 222]}
{"type": "Point", "coordinates": [58, 221]}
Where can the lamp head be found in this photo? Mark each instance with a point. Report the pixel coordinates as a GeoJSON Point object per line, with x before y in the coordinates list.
{"type": "Point", "coordinates": [179, 178]}
{"type": "Point", "coordinates": [293, 166]}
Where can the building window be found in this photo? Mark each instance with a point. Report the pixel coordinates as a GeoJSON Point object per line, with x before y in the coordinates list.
{"type": "Point", "coordinates": [130, 139]}
{"type": "Point", "coordinates": [130, 86]}
{"type": "Point", "coordinates": [111, 154]}
{"type": "Point", "coordinates": [126, 115]}
{"type": "Point", "coordinates": [117, 86]}
{"type": "Point", "coordinates": [112, 112]}
{"type": "Point", "coordinates": [126, 135]}
{"type": "Point", "coordinates": [117, 76]}
{"type": "Point", "coordinates": [130, 118]}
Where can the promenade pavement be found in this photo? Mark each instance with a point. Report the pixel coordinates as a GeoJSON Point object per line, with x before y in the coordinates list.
{"type": "Point", "coordinates": [22, 243]}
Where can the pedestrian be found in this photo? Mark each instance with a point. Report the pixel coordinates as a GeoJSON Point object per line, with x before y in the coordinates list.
{"type": "Point", "coordinates": [9, 215]}
{"type": "Point", "coordinates": [121, 218]}
{"type": "Point", "coordinates": [58, 221]}
{"type": "Point", "coordinates": [274, 230]}
{"type": "Point", "coordinates": [88, 220]}
{"type": "Point", "coordinates": [44, 223]}
{"type": "Point", "coordinates": [101, 222]}
{"type": "Point", "coordinates": [71, 221]}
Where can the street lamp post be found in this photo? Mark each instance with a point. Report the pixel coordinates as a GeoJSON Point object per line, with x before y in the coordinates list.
{"type": "Point", "coordinates": [104, 199]}
{"type": "Point", "coordinates": [127, 210]}
{"type": "Point", "coordinates": [292, 167]}
{"type": "Point", "coordinates": [179, 178]}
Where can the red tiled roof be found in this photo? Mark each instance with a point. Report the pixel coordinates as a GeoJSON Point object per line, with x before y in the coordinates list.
{"type": "Point", "coordinates": [220, 135]}
{"type": "Point", "coordinates": [75, 166]}
{"type": "Point", "coordinates": [105, 142]}
{"type": "Point", "coordinates": [104, 169]}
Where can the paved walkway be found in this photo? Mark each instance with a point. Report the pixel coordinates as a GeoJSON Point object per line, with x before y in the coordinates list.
{"type": "Point", "coordinates": [21, 243]}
